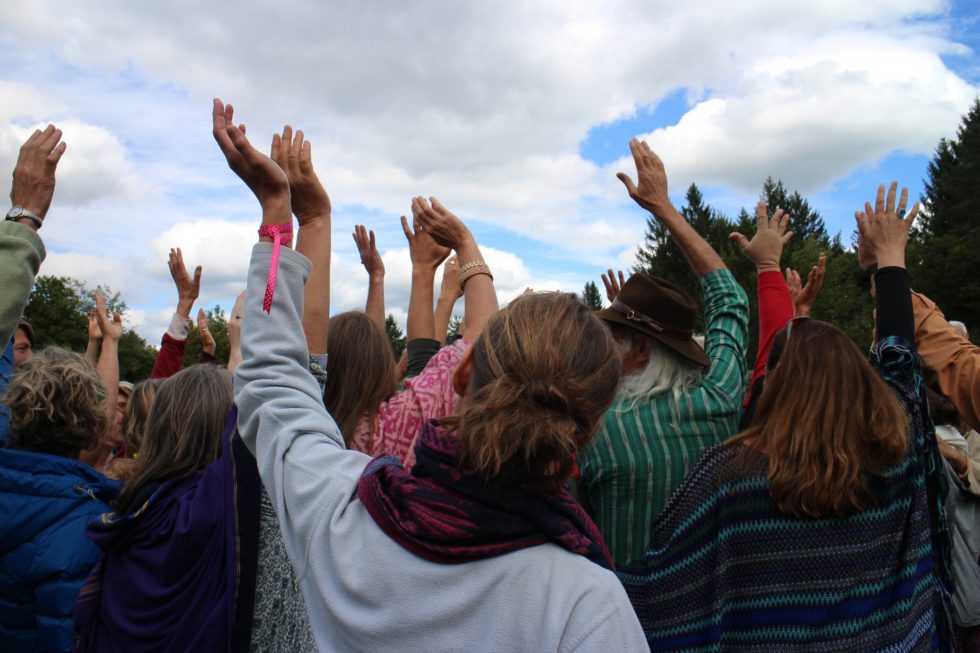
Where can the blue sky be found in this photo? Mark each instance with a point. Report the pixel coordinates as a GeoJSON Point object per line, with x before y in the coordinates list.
{"type": "Point", "coordinates": [516, 117]}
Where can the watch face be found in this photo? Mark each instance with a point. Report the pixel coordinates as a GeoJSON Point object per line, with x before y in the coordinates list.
{"type": "Point", "coordinates": [15, 213]}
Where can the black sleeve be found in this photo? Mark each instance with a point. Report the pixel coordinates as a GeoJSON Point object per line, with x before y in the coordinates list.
{"type": "Point", "coordinates": [420, 350]}
{"type": "Point", "coordinates": [893, 301]}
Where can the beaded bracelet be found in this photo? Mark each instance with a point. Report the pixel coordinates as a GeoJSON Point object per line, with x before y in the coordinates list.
{"type": "Point", "coordinates": [472, 269]}
{"type": "Point", "coordinates": [279, 233]}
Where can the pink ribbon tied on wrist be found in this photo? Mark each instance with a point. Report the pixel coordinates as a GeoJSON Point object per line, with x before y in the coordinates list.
{"type": "Point", "coordinates": [279, 233]}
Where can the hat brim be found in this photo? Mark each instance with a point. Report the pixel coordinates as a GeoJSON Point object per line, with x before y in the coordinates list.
{"type": "Point", "coordinates": [689, 349]}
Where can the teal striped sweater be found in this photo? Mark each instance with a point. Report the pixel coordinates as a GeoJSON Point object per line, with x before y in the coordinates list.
{"type": "Point", "coordinates": [726, 570]}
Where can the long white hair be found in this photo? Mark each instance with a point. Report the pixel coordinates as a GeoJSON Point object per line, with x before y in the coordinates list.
{"type": "Point", "coordinates": [666, 371]}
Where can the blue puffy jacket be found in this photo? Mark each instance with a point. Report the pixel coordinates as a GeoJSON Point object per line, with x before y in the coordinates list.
{"type": "Point", "coordinates": [45, 503]}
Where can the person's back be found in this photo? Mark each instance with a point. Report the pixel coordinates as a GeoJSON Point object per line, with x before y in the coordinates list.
{"type": "Point", "coordinates": [47, 499]}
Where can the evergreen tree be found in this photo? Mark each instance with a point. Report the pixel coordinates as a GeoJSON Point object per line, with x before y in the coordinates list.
{"type": "Point", "coordinates": [660, 256]}
{"type": "Point", "coordinates": [591, 297]}
{"type": "Point", "coordinates": [945, 254]}
{"type": "Point", "coordinates": [395, 336]}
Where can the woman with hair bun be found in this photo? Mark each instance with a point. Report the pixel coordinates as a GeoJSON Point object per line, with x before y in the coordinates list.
{"type": "Point", "coordinates": [479, 547]}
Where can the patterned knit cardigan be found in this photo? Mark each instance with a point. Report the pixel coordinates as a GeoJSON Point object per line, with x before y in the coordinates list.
{"type": "Point", "coordinates": [727, 571]}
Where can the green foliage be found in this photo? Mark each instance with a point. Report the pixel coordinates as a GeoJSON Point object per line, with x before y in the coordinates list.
{"type": "Point", "coordinates": [395, 336]}
{"type": "Point", "coordinates": [945, 252]}
{"type": "Point", "coordinates": [58, 309]}
{"type": "Point", "coordinates": [844, 300]}
{"type": "Point", "coordinates": [218, 326]}
{"type": "Point", "coordinates": [591, 297]}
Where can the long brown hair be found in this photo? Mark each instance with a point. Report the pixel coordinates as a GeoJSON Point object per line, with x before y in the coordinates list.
{"type": "Point", "coordinates": [183, 432]}
{"type": "Point", "coordinates": [360, 370]}
{"type": "Point", "coordinates": [827, 423]}
{"type": "Point", "coordinates": [545, 369]}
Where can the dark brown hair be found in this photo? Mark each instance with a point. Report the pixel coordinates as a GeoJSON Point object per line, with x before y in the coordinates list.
{"type": "Point", "coordinates": [545, 369]}
{"type": "Point", "coordinates": [827, 423]}
{"type": "Point", "coordinates": [360, 370]}
{"type": "Point", "coordinates": [183, 431]}
{"type": "Point", "coordinates": [57, 404]}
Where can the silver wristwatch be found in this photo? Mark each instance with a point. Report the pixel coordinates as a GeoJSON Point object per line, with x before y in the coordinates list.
{"type": "Point", "coordinates": [18, 212]}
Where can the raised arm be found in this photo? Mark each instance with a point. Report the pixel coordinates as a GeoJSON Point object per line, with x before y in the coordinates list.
{"type": "Point", "coordinates": [311, 205]}
{"type": "Point", "coordinates": [651, 194]}
{"type": "Point", "coordinates": [374, 265]}
{"type": "Point", "coordinates": [447, 230]}
{"type": "Point", "coordinates": [235, 333]}
{"type": "Point", "coordinates": [21, 249]}
{"type": "Point", "coordinates": [804, 296]}
{"type": "Point", "coordinates": [449, 293]}
{"type": "Point", "coordinates": [170, 358]}
{"type": "Point", "coordinates": [775, 306]}
{"type": "Point", "coordinates": [427, 255]}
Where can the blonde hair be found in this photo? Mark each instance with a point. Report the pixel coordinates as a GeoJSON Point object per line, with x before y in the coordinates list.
{"type": "Point", "coordinates": [544, 371]}
{"type": "Point", "coordinates": [137, 414]}
{"type": "Point", "coordinates": [57, 404]}
{"type": "Point", "coordinates": [827, 424]}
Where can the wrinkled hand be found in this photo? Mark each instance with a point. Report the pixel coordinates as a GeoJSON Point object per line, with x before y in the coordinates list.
{"type": "Point", "coordinates": [111, 329]}
{"type": "Point", "coordinates": [208, 345]}
{"type": "Point", "coordinates": [94, 332]}
{"type": "Point", "coordinates": [612, 285]}
{"type": "Point", "coordinates": [803, 298]}
{"type": "Point", "coordinates": [436, 232]}
{"type": "Point", "coordinates": [766, 245]}
{"type": "Point", "coordinates": [33, 185]}
{"type": "Point", "coordinates": [886, 229]}
{"type": "Point", "coordinates": [651, 193]}
{"type": "Point", "coordinates": [295, 156]}
{"type": "Point", "coordinates": [368, 249]}
{"type": "Point", "coordinates": [450, 279]}
{"type": "Point", "coordinates": [260, 173]}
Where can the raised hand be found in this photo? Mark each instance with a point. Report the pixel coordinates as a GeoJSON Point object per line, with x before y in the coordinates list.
{"type": "Point", "coordinates": [436, 221]}
{"type": "Point", "coordinates": [188, 287]}
{"type": "Point", "coordinates": [865, 252]}
{"type": "Point", "coordinates": [33, 184]}
{"type": "Point", "coordinates": [208, 345]}
{"type": "Point", "coordinates": [94, 332]}
{"type": "Point", "coordinates": [804, 297]}
{"type": "Point", "coordinates": [766, 245]}
{"type": "Point", "coordinates": [367, 248]}
{"type": "Point", "coordinates": [260, 173]}
{"type": "Point", "coordinates": [423, 249]}
{"type": "Point", "coordinates": [613, 286]}
{"type": "Point", "coordinates": [295, 156]}
{"type": "Point", "coordinates": [886, 226]}
{"type": "Point", "coordinates": [651, 193]}
{"type": "Point", "coordinates": [111, 328]}
{"type": "Point", "coordinates": [450, 279]}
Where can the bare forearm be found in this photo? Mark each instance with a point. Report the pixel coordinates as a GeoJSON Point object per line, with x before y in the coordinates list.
{"type": "Point", "coordinates": [92, 351]}
{"type": "Point", "coordinates": [480, 297]}
{"type": "Point", "coordinates": [421, 323]}
{"type": "Point", "coordinates": [375, 306]}
{"type": "Point", "coordinates": [313, 242]}
{"type": "Point", "coordinates": [443, 314]}
{"type": "Point", "coordinates": [108, 369]}
{"type": "Point", "coordinates": [702, 256]}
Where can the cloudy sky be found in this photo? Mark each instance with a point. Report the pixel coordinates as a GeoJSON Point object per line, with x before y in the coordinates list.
{"type": "Point", "coordinates": [515, 114]}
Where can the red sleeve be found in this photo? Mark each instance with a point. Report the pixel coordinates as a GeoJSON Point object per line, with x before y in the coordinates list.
{"type": "Point", "coordinates": [170, 358]}
{"type": "Point", "coordinates": [775, 310]}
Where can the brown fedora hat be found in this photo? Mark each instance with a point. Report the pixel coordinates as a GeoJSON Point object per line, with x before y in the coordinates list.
{"type": "Point", "coordinates": [658, 309]}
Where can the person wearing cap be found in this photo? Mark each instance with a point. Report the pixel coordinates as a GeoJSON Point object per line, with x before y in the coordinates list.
{"type": "Point", "coordinates": [676, 397]}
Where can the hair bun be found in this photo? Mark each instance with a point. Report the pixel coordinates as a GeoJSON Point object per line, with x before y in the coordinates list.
{"type": "Point", "coordinates": [546, 395]}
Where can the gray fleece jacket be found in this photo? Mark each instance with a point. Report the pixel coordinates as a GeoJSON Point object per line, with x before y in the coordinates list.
{"type": "Point", "coordinates": [364, 592]}
{"type": "Point", "coordinates": [21, 254]}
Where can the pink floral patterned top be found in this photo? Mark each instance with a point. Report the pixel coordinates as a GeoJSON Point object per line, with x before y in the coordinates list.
{"type": "Point", "coordinates": [429, 395]}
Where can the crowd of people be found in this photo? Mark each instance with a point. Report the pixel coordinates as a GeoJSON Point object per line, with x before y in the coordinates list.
{"type": "Point", "coordinates": [555, 479]}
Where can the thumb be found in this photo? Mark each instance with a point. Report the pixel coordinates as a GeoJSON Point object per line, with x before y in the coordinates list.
{"type": "Point", "coordinates": [742, 241]}
{"type": "Point", "coordinates": [625, 178]}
